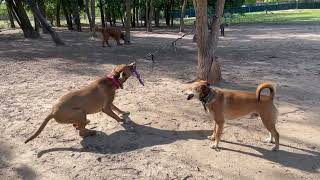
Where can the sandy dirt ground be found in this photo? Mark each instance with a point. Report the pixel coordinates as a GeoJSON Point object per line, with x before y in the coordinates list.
{"type": "Point", "coordinates": [167, 136]}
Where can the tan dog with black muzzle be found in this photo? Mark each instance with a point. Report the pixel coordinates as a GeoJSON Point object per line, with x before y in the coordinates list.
{"type": "Point", "coordinates": [73, 107]}
{"type": "Point", "coordinates": [231, 104]}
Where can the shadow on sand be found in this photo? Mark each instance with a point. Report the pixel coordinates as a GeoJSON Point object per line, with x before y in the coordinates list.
{"type": "Point", "coordinates": [136, 136]}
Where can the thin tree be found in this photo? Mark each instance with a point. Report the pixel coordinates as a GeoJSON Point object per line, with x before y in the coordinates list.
{"type": "Point", "coordinates": [127, 21]}
{"type": "Point", "coordinates": [149, 14]}
{"type": "Point", "coordinates": [183, 11]}
{"type": "Point", "coordinates": [103, 24]}
{"type": "Point", "coordinates": [88, 14]}
{"type": "Point", "coordinates": [58, 7]}
{"type": "Point", "coordinates": [93, 15]}
{"type": "Point", "coordinates": [208, 66]}
{"type": "Point", "coordinates": [10, 15]}
{"type": "Point", "coordinates": [35, 9]}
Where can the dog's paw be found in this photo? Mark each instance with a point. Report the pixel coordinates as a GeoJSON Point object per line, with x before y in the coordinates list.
{"type": "Point", "coordinates": [215, 147]}
{"type": "Point", "coordinates": [275, 148]}
{"type": "Point", "coordinates": [268, 140]}
{"type": "Point", "coordinates": [212, 138]}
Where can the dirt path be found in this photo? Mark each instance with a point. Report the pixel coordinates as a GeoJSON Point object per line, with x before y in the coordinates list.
{"type": "Point", "coordinates": [168, 139]}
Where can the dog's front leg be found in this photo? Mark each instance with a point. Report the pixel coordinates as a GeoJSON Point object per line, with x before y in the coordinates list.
{"type": "Point", "coordinates": [107, 109]}
{"type": "Point", "coordinates": [219, 119]}
{"type": "Point", "coordinates": [124, 113]}
{"type": "Point", "coordinates": [212, 137]}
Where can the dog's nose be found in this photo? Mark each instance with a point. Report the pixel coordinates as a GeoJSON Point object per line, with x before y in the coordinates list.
{"type": "Point", "coordinates": [190, 96]}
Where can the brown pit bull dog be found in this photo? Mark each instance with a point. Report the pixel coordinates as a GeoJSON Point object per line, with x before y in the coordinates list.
{"type": "Point", "coordinates": [108, 32]}
{"type": "Point", "coordinates": [73, 107]}
{"type": "Point", "coordinates": [231, 104]}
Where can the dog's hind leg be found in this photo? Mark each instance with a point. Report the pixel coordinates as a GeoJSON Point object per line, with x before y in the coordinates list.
{"type": "Point", "coordinates": [269, 121]}
{"type": "Point", "coordinates": [77, 117]}
{"type": "Point", "coordinates": [212, 137]}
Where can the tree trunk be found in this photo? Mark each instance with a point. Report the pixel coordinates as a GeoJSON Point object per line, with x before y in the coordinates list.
{"type": "Point", "coordinates": [44, 23]}
{"type": "Point", "coordinates": [103, 24]}
{"type": "Point", "coordinates": [36, 23]}
{"type": "Point", "coordinates": [121, 17]}
{"type": "Point", "coordinates": [10, 16]}
{"type": "Point", "coordinates": [156, 17]}
{"type": "Point", "coordinates": [137, 14]}
{"type": "Point", "coordinates": [42, 8]}
{"type": "Point", "coordinates": [21, 17]}
{"type": "Point", "coordinates": [127, 22]}
{"type": "Point", "coordinates": [183, 10]}
{"type": "Point", "coordinates": [58, 7]}
{"type": "Point", "coordinates": [88, 14]}
{"type": "Point", "coordinates": [76, 15]}
{"type": "Point", "coordinates": [171, 24]}
{"type": "Point", "coordinates": [133, 21]}
{"type": "Point", "coordinates": [149, 14]}
{"type": "Point", "coordinates": [208, 66]}
{"type": "Point", "coordinates": [93, 16]}
{"type": "Point", "coordinates": [167, 12]}
{"type": "Point", "coordinates": [67, 15]}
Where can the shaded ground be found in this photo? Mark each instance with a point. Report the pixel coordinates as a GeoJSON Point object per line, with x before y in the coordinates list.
{"type": "Point", "coordinates": [168, 138]}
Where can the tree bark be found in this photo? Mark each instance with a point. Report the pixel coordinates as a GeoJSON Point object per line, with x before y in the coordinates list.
{"type": "Point", "coordinates": [137, 14]}
{"type": "Point", "coordinates": [88, 14]}
{"type": "Point", "coordinates": [42, 7]}
{"type": "Point", "coordinates": [208, 66]}
{"type": "Point", "coordinates": [133, 21]}
{"type": "Point", "coordinates": [21, 17]}
{"type": "Point", "coordinates": [58, 7]}
{"type": "Point", "coordinates": [183, 10]}
{"type": "Point", "coordinates": [149, 14]}
{"type": "Point", "coordinates": [93, 16]}
{"type": "Point", "coordinates": [76, 15]}
{"type": "Point", "coordinates": [67, 14]}
{"type": "Point", "coordinates": [167, 12]}
{"type": "Point", "coordinates": [127, 22]}
{"type": "Point", "coordinates": [10, 16]}
{"type": "Point", "coordinates": [55, 37]}
{"type": "Point", "coordinates": [103, 24]}
{"type": "Point", "coordinates": [36, 23]}
{"type": "Point", "coordinates": [156, 17]}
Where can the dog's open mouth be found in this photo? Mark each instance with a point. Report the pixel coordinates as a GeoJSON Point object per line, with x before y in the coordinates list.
{"type": "Point", "coordinates": [190, 96]}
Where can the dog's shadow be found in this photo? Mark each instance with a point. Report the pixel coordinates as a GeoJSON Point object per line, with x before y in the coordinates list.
{"type": "Point", "coordinates": [135, 136]}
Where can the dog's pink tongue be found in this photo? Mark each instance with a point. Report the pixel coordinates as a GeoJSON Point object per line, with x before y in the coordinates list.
{"type": "Point", "coordinates": [135, 72]}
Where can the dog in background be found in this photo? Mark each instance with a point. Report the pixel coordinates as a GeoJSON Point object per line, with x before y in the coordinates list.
{"type": "Point", "coordinates": [108, 32]}
{"type": "Point", "coordinates": [226, 104]}
{"type": "Point", "coordinates": [73, 107]}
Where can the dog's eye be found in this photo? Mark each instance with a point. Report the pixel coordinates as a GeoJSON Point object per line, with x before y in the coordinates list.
{"type": "Point", "coordinates": [124, 74]}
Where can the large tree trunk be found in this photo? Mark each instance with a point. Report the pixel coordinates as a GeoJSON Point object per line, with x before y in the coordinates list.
{"type": "Point", "coordinates": [21, 17]}
{"type": "Point", "coordinates": [76, 15]}
{"type": "Point", "coordinates": [127, 22]}
{"type": "Point", "coordinates": [88, 14]}
{"type": "Point", "coordinates": [208, 66]}
{"type": "Point", "coordinates": [10, 16]}
{"type": "Point", "coordinates": [36, 23]}
{"type": "Point", "coordinates": [58, 7]}
{"type": "Point", "coordinates": [103, 24]}
{"type": "Point", "coordinates": [44, 23]}
{"type": "Point", "coordinates": [149, 14]}
{"type": "Point", "coordinates": [183, 10]}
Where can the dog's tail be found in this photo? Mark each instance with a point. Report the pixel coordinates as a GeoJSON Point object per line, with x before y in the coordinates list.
{"type": "Point", "coordinates": [45, 122]}
{"type": "Point", "coordinates": [264, 86]}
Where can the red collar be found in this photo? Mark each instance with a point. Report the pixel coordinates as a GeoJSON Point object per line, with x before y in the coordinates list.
{"type": "Point", "coordinates": [115, 81]}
